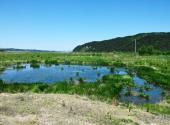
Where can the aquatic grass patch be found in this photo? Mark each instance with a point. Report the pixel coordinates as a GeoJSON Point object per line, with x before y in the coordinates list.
{"type": "Point", "coordinates": [34, 61]}
{"type": "Point", "coordinates": [105, 91]}
{"type": "Point", "coordinates": [144, 96]}
{"type": "Point", "coordinates": [118, 63]}
{"type": "Point", "coordinates": [19, 66]}
{"type": "Point", "coordinates": [154, 76]}
{"type": "Point", "coordinates": [35, 65]}
{"type": "Point", "coordinates": [124, 80]}
{"type": "Point", "coordinates": [145, 88]}
{"type": "Point", "coordinates": [2, 69]}
{"type": "Point", "coordinates": [51, 62]}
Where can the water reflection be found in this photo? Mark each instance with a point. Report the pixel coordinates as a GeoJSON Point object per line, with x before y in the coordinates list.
{"type": "Point", "coordinates": [53, 73]}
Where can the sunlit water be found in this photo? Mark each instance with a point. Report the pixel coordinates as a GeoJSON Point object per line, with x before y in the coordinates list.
{"type": "Point", "coordinates": [53, 74]}
{"type": "Point", "coordinates": [59, 73]}
{"type": "Point", "coordinates": [155, 93]}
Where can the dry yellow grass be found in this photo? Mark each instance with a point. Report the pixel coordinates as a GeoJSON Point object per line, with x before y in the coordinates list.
{"type": "Point", "coordinates": [62, 109]}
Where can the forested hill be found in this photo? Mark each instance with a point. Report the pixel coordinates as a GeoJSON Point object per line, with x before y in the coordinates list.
{"type": "Point", "coordinates": [160, 41]}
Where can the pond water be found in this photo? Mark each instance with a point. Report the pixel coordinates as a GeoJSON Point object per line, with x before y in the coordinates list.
{"type": "Point", "coordinates": [153, 92]}
{"type": "Point", "coordinates": [60, 73]}
{"type": "Point", "coordinates": [53, 74]}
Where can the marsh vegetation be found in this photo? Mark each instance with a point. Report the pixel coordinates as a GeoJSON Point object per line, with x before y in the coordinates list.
{"type": "Point", "coordinates": [111, 76]}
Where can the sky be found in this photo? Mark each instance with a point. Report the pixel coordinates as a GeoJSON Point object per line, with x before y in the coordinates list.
{"type": "Point", "coordinates": [61, 25]}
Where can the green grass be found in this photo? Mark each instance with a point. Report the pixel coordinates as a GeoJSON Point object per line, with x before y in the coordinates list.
{"type": "Point", "coordinates": [145, 96]}
{"type": "Point", "coordinates": [157, 109]}
{"type": "Point", "coordinates": [105, 90]}
{"type": "Point", "coordinates": [35, 65]}
{"type": "Point", "coordinates": [154, 76]}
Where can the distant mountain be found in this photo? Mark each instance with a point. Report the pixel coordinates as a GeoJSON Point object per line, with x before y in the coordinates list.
{"type": "Point", "coordinates": [159, 40]}
{"type": "Point", "coordinates": [22, 50]}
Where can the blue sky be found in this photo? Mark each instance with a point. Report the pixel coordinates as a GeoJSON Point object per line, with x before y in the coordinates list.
{"type": "Point", "coordinates": [63, 24]}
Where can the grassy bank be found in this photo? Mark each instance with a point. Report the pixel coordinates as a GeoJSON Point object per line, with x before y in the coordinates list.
{"type": "Point", "coordinates": [154, 76]}
{"type": "Point", "coordinates": [106, 89]}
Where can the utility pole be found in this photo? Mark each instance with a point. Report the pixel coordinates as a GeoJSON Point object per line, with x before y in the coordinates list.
{"type": "Point", "coordinates": [135, 47]}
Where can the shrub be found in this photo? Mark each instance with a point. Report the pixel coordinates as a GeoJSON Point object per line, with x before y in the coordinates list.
{"type": "Point", "coordinates": [81, 80]}
{"type": "Point", "coordinates": [119, 63]}
{"type": "Point", "coordinates": [145, 96]}
{"type": "Point", "coordinates": [49, 62]}
{"type": "Point", "coordinates": [35, 65]}
{"type": "Point", "coordinates": [148, 50]}
{"type": "Point", "coordinates": [19, 66]}
{"type": "Point", "coordinates": [1, 86]}
{"type": "Point", "coordinates": [1, 81]}
{"type": "Point", "coordinates": [34, 61]}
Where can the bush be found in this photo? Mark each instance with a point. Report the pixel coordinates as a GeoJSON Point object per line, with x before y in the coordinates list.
{"type": "Point", "coordinates": [35, 65]}
{"type": "Point", "coordinates": [81, 80]}
{"type": "Point", "coordinates": [40, 88]}
{"type": "Point", "coordinates": [118, 63]}
{"type": "Point", "coordinates": [34, 61]}
{"type": "Point", "coordinates": [1, 85]}
{"type": "Point", "coordinates": [50, 62]}
{"type": "Point", "coordinates": [147, 50]}
{"type": "Point", "coordinates": [18, 66]}
{"type": "Point", "coordinates": [1, 81]}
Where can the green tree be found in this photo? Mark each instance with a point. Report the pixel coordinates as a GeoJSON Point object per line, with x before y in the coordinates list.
{"type": "Point", "coordinates": [147, 50]}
